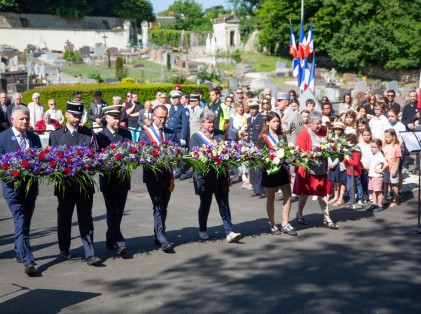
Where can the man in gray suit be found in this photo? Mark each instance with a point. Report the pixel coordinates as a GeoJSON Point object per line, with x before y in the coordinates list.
{"type": "Point", "coordinates": [292, 124]}
{"type": "Point", "coordinates": [195, 111]}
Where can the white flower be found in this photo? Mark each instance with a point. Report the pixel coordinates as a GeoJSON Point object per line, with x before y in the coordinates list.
{"type": "Point", "coordinates": [276, 161]}
{"type": "Point", "coordinates": [280, 153]}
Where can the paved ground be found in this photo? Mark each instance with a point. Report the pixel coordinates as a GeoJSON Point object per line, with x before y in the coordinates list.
{"type": "Point", "coordinates": [368, 266]}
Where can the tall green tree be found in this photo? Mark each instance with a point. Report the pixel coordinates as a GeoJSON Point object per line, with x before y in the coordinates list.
{"type": "Point", "coordinates": [189, 16]}
{"type": "Point", "coordinates": [140, 10]}
{"type": "Point", "coordinates": [8, 4]}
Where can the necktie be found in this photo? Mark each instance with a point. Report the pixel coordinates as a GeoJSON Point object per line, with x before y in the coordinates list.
{"type": "Point", "coordinates": [74, 134]}
{"type": "Point", "coordinates": [161, 135]}
{"type": "Point", "coordinates": [115, 135]}
{"type": "Point", "coordinates": [22, 142]}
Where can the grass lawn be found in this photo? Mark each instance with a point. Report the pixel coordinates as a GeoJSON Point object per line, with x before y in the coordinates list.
{"type": "Point", "coordinates": [151, 70]}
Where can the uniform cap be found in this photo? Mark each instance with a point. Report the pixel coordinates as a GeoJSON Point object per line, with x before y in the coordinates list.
{"type": "Point", "coordinates": [282, 95]}
{"type": "Point", "coordinates": [75, 107]}
{"type": "Point", "coordinates": [194, 97]}
{"type": "Point", "coordinates": [112, 110]}
{"type": "Point", "coordinates": [254, 102]}
{"type": "Point", "coordinates": [176, 94]}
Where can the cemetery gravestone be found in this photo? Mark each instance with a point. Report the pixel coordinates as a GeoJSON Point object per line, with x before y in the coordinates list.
{"type": "Point", "coordinates": [84, 51]}
{"type": "Point", "coordinates": [394, 85]}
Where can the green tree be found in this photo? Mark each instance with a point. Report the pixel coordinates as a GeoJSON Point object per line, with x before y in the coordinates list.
{"type": "Point", "coordinates": [188, 15]}
{"type": "Point", "coordinates": [8, 4]}
{"type": "Point", "coordinates": [120, 70]}
{"type": "Point", "coordinates": [140, 10]}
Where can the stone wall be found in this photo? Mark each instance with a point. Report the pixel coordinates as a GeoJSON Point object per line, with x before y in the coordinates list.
{"type": "Point", "coordinates": [19, 38]}
{"type": "Point", "coordinates": [46, 21]}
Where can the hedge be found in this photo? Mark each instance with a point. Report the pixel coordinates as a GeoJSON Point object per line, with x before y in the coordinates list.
{"type": "Point", "coordinates": [62, 93]}
{"type": "Point", "coordinates": [171, 37]}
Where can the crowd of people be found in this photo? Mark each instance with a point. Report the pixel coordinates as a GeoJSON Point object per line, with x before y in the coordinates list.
{"type": "Point", "coordinates": [372, 125]}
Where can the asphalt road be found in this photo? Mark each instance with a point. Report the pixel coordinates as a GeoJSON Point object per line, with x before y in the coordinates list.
{"type": "Point", "coordinates": [368, 266]}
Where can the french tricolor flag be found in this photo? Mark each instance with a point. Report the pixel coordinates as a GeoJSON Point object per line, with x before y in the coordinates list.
{"type": "Point", "coordinates": [292, 44]}
{"type": "Point", "coordinates": [310, 43]}
{"type": "Point", "coordinates": [302, 44]}
{"type": "Point", "coordinates": [419, 94]}
{"type": "Point", "coordinates": [312, 74]}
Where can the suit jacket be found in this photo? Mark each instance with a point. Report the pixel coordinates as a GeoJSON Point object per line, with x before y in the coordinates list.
{"type": "Point", "coordinates": [178, 121]}
{"type": "Point", "coordinates": [143, 114]}
{"type": "Point", "coordinates": [160, 180]}
{"type": "Point", "coordinates": [62, 136]}
{"type": "Point", "coordinates": [254, 128]}
{"type": "Point", "coordinates": [211, 182]}
{"type": "Point", "coordinates": [4, 117]}
{"type": "Point", "coordinates": [292, 124]}
{"type": "Point", "coordinates": [195, 123]}
{"type": "Point", "coordinates": [105, 138]}
{"type": "Point", "coordinates": [94, 112]}
{"type": "Point", "coordinates": [9, 144]}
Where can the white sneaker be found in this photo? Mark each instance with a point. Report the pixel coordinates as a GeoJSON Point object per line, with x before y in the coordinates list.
{"type": "Point", "coordinates": [233, 236]}
{"type": "Point", "coordinates": [203, 235]}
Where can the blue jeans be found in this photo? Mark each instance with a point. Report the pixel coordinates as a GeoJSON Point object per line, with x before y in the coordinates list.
{"type": "Point", "coordinates": [135, 133]}
{"type": "Point", "coordinates": [358, 185]}
{"type": "Point", "coordinates": [364, 181]}
{"type": "Point", "coordinates": [224, 210]}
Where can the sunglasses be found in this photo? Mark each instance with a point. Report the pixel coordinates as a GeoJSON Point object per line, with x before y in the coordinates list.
{"type": "Point", "coordinates": [390, 95]}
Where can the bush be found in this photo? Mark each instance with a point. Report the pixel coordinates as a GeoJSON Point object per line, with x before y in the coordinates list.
{"type": "Point", "coordinates": [62, 93]}
{"type": "Point", "coordinates": [204, 75]}
{"type": "Point", "coordinates": [163, 37]}
{"type": "Point", "coordinates": [178, 79]}
{"type": "Point", "coordinates": [128, 80]}
{"type": "Point", "coordinates": [96, 76]}
{"type": "Point", "coordinates": [71, 56]}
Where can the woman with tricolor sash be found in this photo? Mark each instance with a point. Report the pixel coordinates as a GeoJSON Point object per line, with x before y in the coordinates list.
{"type": "Point", "coordinates": [270, 136]}
{"type": "Point", "coordinates": [211, 183]}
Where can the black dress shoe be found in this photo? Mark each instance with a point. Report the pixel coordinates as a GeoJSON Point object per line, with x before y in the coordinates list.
{"type": "Point", "coordinates": [111, 247]}
{"type": "Point", "coordinates": [30, 269]}
{"type": "Point", "coordinates": [262, 196]}
{"type": "Point", "coordinates": [93, 261]}
{"type": "Point", "coordinates": [294, 198]}
{"type": "Point", "coordinates": [254, 194]}
{"type": "Point", "coordinates": [122, 251]}
{"type": "Point", "coordinates": [280, 198]}
{"type": "Point", "coordinates": [167, 247]}
{"type": "Point", "coordinates": [18, 260]}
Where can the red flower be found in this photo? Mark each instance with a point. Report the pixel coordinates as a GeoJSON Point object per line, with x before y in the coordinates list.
{"type": "Point", "coordinates": [177, 151]}
{"type": "Point", "coordinates": [118, 156]}
{"type": "Point", "coordinates": [155, 153]}
{"type": "Point", "coordinates": [218, 160]}
{"type": "Point", "coordinates": [67, 171]}
{"type": "Point", "coordinates": [196, 155]}
{"type": "Point", "coordinates": [165, 143]}
{"type": "Point", "coordinates": [103, 150]}
{"type": "Point", "coordinates": [69, 160]}
{"type": "Point", "coordinates": [15, 174]}
{"type": "Point", "coordinates": [134, 150]}
{"type": "Point", "coordinates": [319, 149]}
{"type": "Point", "coordinates": [112, 146]}
{"type": "Point", "coordinates": [5, 166]}
{"type": "Point", "coordinates": [41, 156]}
{"type": "Point", "coordinates": [59, 155]}
{"type": "Point", "coordinates": [30, 152]}
{"type": "Point", "coordinates": [47, 149]}
{"type": "Point", "coordinates": [25, 164]}
{"type": "Point", "coordinates": [141, 144]}
{"type": "Point", "coordinates": [272, 156]}
{"type": "Point", "coordinates": [209, 151]}
{"type": "Point", "coordinates": [79, 153]}
{"type": "Point", "coordinates": [334, 148]}
{"type": "Point", "coordinates": [53, 163]}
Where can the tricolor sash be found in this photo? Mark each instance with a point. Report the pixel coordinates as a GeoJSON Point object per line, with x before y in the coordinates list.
{"type": "Point", "coordinates": [271, 141]}
{"type": "Point", "coordinates": [206, 139]}
{"type": "Point", "coordinates": [153, 136]}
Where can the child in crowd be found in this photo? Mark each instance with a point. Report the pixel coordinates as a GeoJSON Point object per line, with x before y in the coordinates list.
{"type": "Point", "coordinates": [304, 115]}
{"type": "Point", "coordinates": [310, 105]}
{"type": "Point", "coordinates": [148, 122]}
{"type": "Point", "coordinates": [337, 172]}
{"type": "Point", "coordinates": [378, 165]}
{"type": "Point", "coordinates": [392, 154]}
{"type": "Point", "coordinates": [379, 123]}
{"type": "Point", "coordinates": [362, 124]}
{"type": "Point", "coordinates": [350, 122]}
{"type": "Point", "coordinates": [362, 112]}
{"type": "Point", "coordinates": [295, 105]}
{"type": "Point", "coordinates": [393, 117]}
{"type": "Point", "coordinates": [366, 156]}
{"type": "Point", "coordinates": [354, 161]}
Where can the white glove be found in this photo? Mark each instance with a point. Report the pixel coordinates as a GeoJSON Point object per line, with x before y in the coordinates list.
{"type": "Point", "coordinates": [183, 143]}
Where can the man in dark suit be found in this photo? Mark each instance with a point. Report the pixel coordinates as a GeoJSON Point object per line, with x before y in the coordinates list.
{"type": "Point", "coordinates": [4, 108]}
{"type": "Point", "coordinates": [71, 194]}
{"type": "Point", "coordinates": [254, 128]}
{"type": "Point", "coordinates": [113, 189]}
{"type": "Point", "coordinates": [95, 113]}
{"type": "Point", "coordinates": [17, 100]}
{"type": "Point", "coordinates": [159, 184]}
{"type": "Point", "coordinates": [145, 113]}
{"type": "Point", "coordinates": [21, 204]}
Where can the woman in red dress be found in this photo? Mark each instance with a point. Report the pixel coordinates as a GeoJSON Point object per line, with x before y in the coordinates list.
{"type": "Point", "coordinates": [312, 181]}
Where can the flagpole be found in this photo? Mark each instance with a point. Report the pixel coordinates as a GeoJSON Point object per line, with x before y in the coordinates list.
{"type": "Point", "coordinates": [302, 11]}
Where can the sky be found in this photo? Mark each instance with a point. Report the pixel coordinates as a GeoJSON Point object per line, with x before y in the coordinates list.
{"type": "Point", "coordinates": [161, 5]}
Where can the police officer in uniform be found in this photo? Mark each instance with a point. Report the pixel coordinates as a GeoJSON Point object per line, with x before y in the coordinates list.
{"type": "Point", "coordinates": [254, 128]}
{"type": "Point", "coordinates": [70, 194]}
{"type": "Point", "coordinates": [178, 121]}
{"type": "Point", "coordinates": [113, 188]}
